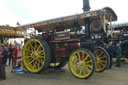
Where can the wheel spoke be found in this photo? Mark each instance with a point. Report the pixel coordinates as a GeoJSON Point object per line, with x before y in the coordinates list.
{"type": "Point", "coordinates": [30, 62]}
{"type": "Point", "coordinates": [86, 58]}
{"type": "Point", "coordinates": [90, 61]}
{"type": "Point", "coordinates": [38, 47]}
{"type": "Point", "coordinates": [87, 69]}
{"type": "Point", "coordinates": [74, 61]}
{"type": "Point", "coordinates": [41, 57]}
{"type": "Point", "coordinates": [84, 71]}
{"type": "Point", "coordinates": [31, 46]}
{"type": "Point", "coordinates": [81, 70]}
{"type": "Point", "coordinates": [28, 57]}
{"type": "Point", "coordinates": [100, 54]}
{"type": "Point", "coordinates": [34, 65]}
{"type": "Point", "coordinates": [28, 50]}
{"type": "Point", "coordinates": [102, 64]}
{"type": "Point", "coordinates": [103, 61]}
{"type": "Point", "coordinates": [38, 63]}
{"type": "Point", "coordinates": [41, 51]}
{"type": "Point", "coordinates": [103, 57]}
{"type": "Point", "coordinates": [27, 53]}
{"type": "Point", "coordinates": [89, 66]}
{"type": "Point", "coordinates": [75, 57]}
{"type": "Point", "coordinates": [39, 60]}
{"type": "Point", "coordinates": [35, 45]}
{"type": "Point", "coordinates": [97, 66]}
{"type": "Point", "coordinates": [79, 56]}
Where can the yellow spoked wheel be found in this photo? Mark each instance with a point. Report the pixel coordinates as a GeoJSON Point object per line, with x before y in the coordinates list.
{"type": "Point", "coordinates": [82, 63]}
{"type": "Point", "coordinates": [36, 55]}
{"type": "Point", "coordinates": [102, 59]}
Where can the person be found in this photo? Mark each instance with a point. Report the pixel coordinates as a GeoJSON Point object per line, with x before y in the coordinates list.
{"type": "Point", "coordinates": [15, 55]}
{"type": "Point", "coordinates": [111, 53]}
{"type": "Point", "coordinates": [6, 47]}
{"type": "Point", "coordinates": [3, 56]}
{"type": "Point", "coordinates": [118, 54]}
{"type": "Point", "coordinates": [107, 48]}
{"type": "Point", "coordinates": [10, 51]}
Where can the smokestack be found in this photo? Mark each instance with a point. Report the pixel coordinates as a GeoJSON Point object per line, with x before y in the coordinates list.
{"type": "Point", "coordinates": [86, 5]}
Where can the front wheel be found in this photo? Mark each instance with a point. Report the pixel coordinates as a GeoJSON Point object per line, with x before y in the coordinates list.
{"type": "Point", "coordinates": [82, 63]}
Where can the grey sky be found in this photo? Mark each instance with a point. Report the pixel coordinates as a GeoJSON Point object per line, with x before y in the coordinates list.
{"type": "Point", "coordinates": [28, 11]}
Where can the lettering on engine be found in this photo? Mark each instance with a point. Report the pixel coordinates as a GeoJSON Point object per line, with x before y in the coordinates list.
{"type": "Point", "coordinates": [62, 35]}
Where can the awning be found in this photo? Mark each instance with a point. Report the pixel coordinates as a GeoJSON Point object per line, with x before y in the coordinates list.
{"type": "Point", "coordinates": [9, 32]}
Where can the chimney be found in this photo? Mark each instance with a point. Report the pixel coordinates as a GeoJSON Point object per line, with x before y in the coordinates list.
{"type": "Point", "coordinates": [86, 5]}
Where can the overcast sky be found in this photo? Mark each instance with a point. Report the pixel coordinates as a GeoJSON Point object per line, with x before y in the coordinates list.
{"type": "Point", "coordinates": [29, 11]}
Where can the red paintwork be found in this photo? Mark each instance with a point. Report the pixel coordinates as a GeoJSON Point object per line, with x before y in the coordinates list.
{"type": "Point", "coordinates": [74, 46]}
{"type": "Point", "coordinates": [61, 52]}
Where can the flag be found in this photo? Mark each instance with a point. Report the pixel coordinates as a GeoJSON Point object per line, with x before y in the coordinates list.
{"type": "Point", "coordinates": [18, 23]}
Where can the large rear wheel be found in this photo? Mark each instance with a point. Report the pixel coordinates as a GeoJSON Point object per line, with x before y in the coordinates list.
{"type": "Point", "coordinates": [82, 63]}
{"type": "Point", "coordinates": [36, 55]}
{"type": "Point", "coordinates": [102, 59]}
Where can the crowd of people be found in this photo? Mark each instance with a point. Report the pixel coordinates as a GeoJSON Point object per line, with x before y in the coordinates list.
{"type": "Point", "coordinates": [114, 50]}
{"type": "Point", "coordinates": [9, 53]}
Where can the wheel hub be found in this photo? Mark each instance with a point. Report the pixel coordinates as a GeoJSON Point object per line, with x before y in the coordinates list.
{"type": "Point", "coordinates": [80, 63]}
{"type": "Point", "coordinates": [98, 60]}
{"type": "Point", "coordinates": [34, 54]}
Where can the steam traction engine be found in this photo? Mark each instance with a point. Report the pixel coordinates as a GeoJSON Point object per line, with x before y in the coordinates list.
{"type": "Point", "coordinates": [73, 39]}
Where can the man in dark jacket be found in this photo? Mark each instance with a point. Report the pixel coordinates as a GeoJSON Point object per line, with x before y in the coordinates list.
{"type": "Point", "coordinates": [118, 54]}
{"type": "Point", "coordinates": [110, 49]}
{"type": "Point", "coordinates": [111, 53]}
{"type": "Point", "coordinates": [10, 51]}
{"type": "Point", "coordinates": [3, 56]}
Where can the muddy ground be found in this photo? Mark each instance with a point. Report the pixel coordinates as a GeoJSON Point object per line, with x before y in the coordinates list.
{"type": "Point", "coordinates": [114, 76]}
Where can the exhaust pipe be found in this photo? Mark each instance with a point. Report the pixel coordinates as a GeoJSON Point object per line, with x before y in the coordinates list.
{"type": "Point", "coordinates": [86, 5]}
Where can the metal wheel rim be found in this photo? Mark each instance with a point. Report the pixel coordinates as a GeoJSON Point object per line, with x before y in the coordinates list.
{"type": "Point", "coordinates": [84, 64]}
{"type": "Point", "coordinates": [33, 55]}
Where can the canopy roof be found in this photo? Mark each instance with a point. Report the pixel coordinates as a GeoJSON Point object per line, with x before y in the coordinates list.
{"type": "Point", "coordinates": [121, 26]}
{"type": "Point", "coordinates": [68, 21]}
{"type": "Point", "coordinates": [9, 32]}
